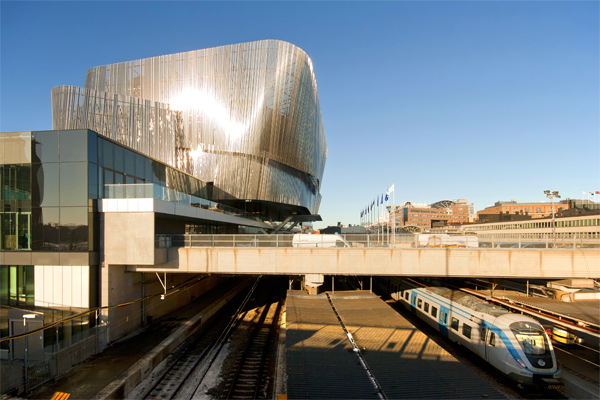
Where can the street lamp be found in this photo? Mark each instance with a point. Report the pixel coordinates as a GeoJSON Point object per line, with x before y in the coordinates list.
{"type": "Point", "coordinates": [25, 318]}
{"type": "Point", "coordinates": [551, 196]}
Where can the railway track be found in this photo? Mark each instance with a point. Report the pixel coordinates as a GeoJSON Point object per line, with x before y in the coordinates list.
{"type": "Point", "coordinates": [248, 377]}
{"type": "Point", "coordinates": [237, 344]}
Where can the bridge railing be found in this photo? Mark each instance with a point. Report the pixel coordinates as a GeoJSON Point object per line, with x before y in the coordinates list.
{"type": "Point", "coordinates": [364, 241]}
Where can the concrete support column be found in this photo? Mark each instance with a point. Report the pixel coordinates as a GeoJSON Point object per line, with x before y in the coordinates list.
{"type": "Point", "coordinates": [312, 283]}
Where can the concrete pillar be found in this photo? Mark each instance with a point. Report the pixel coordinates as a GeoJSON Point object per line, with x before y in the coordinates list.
{"type": "Point", "coordinates": [312, 283]}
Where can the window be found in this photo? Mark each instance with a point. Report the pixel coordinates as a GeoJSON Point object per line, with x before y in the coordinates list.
{"type": "Point", "coordinates": [406, 295]}
{"type": "Point", "coordinates": [483, 333]}
{"type": "Point", "coordinates": [426, 309]}
{"type": "Point", "coordinates": [466, 330]}
{"type": "Point", "coordinates": [420, 303]}
{"type": "Point", "coordinates": [492, 339]}
{"type": "Point", "coordinates": [16, 285]}
{"type": "Point", "coordinates": [454, 324]}
{"type": "Point", "coordinates": [434, 312]}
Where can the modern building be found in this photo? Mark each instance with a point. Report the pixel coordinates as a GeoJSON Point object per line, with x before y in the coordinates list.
{"type": "Point", "coordinates": [207, 141]}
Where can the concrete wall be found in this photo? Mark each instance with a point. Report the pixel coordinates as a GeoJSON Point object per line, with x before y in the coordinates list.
{"type": "Point", "coordinates": [120, 287]}
{"type": "Point", "coordinates": [516, 263]}
{"type": "Point", "coordinates": [129, 238]}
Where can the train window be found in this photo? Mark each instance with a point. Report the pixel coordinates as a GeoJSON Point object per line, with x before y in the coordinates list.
{"type": "Point", "coordinates": [426, 309]}
{"type": "Point", "coordinates": [406, 295]}
{"type": "Point", "coordinates": [420, 303]}
{"type": "Point", "coordinates": [492, 339]}
{"type": "Point", "coordinates": [483, 333]}
{"type": "Point", "coordinates": [445, 318]}
{"type": "Point", "coordinates": [467, 330]}
{"type": "Point", "coordinates": [434, 312]}
{"type": "Point", "coordinates": [454, 324]}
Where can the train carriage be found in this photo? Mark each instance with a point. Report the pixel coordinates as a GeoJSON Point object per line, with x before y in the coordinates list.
{"type": "Point", "coordinates": [516, 345]}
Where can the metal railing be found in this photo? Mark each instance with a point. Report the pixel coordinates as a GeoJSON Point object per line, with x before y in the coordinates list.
{"type": "Point", "coordinates": [363, 241]}
{"type": "Point", "coordinates": [283, 240]}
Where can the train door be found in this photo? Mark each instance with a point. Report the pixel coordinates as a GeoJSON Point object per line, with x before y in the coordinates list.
{"type": "Point", "coordinates": [490, 343]}
{"type": "Point", "coordinates": [483, 333]}
{"type": "Point", "coordinates": [443, 320]}
{"type": "Point", "coordinates": [413, 302]}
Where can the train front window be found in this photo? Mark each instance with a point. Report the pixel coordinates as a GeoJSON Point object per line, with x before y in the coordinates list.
{"type": "Point", "coordinates": [531, 338]}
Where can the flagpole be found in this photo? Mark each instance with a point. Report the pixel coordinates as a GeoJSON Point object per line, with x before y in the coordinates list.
{"type": "Point", "coordinates": [394, 214]}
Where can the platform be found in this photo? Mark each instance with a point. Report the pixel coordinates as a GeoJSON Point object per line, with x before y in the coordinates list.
{"type": "Point", "coordinates": [405, 362]}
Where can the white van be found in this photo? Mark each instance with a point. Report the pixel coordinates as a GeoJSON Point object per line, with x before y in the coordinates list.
{"type": "Point", "coordinates": [445, 240]}
{"type": "Point", "coordinates": [304, 240]}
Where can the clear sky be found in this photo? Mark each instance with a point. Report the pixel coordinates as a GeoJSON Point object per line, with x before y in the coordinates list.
{"type": "Point", "coordinates": [476, 100]}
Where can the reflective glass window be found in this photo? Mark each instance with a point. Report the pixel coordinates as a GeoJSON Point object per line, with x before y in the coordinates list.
{"type": "Point", "coordinates": [108, 155]}
{"type": "Point", "coordinates": [92, 181]}
{"type": "Point", "coordinates": [73, 145]}
{"type": "Point", "coordinates": [17, 287]}
{"type": "Point", "coordinates": [92, 147]}
{"type": "Point", "coordinates": [45, 228]}
{"type": "Point", "coordinates": [15, 148]}
{"type": "Point", "coordinates": [44, 190]}
{"type": "Point", "coordinates": [4, 292]}
{"type": "Point", "coordinates": [100, 182]}
{"type": "Point", "coordinates": [119, 157]}
{"type": "Point", "coordinates": [44, 146]}
{"type": "Point", "coordinates": [159, 174]}
{"type": "Point", "coordinates": [73, 184]}
{"type": "Point", "coordinates": [149, 175]}
{"type": "Point", "coordinates": [74, 229]}
{"type": "Point", "coordinates": [140, 166]}
{"type": "Point", "coordinates": [129, 161]}
{"type": "Point", "coordinates": [109, 179]}
{"type": "Point", "coordinates": [15, 187]}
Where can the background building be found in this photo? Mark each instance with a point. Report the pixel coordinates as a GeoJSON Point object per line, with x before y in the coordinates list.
{"type": "Point", "coordinates": [441, 214]}
{"type": "Point", "coordinates": [534, 210]}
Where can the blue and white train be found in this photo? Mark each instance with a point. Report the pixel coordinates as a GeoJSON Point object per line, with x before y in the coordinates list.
{"type": "Point", "coordinates": [516, 345]}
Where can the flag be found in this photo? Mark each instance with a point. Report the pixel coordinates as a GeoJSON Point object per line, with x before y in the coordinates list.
{"type": "Point", "coordinates": [381, 199]}
{"type": "Point", "coordinates": [390, 190]}
{"type": "Point", "coordinates": [597, 192]}
{"type": "Point", "coordinates": [386, 197]}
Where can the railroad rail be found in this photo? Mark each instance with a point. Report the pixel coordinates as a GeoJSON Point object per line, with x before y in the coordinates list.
{"type": "Point", "coordinates": [252, 325]}
{"type": "Point", "coordinates": [247, 379]}
{"type": "Point", "coordinates": [194, 357]}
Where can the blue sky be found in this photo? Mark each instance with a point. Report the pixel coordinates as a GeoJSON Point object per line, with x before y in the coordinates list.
{"type": "Point", "coordinates": [477, 100]}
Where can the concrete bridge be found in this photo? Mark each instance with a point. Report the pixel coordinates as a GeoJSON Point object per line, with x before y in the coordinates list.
{"type": "Point", "coordinates": [435, 262]}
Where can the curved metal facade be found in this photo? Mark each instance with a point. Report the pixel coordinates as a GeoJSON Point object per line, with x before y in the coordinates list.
{"type": "Point", "coordinates": [245, 117]}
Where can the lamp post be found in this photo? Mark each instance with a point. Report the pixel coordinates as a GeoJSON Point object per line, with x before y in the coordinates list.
{"type": "Point", "coordinates": [25, 318]}
{"type": "Point", "coordinates": [551, 196]}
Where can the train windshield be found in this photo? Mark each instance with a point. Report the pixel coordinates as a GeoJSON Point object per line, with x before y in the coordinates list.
{"type": "Point", "coordinates": [531, 338]}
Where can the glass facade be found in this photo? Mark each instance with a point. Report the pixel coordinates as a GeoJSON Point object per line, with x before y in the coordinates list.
{"type": "Point", "coordinates": [47, 204]}
{"type": "Point", "coordinates": [245, 117]}
{"type": "Point", "coordinates": [44, 204]}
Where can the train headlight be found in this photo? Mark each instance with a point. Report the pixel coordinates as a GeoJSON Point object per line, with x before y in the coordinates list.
{"type": "Point", "coordinates": [520, 362]}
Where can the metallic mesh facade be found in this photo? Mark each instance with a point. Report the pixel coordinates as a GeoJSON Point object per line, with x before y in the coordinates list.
{"type": "Point", "coordinates": [245, 117]}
